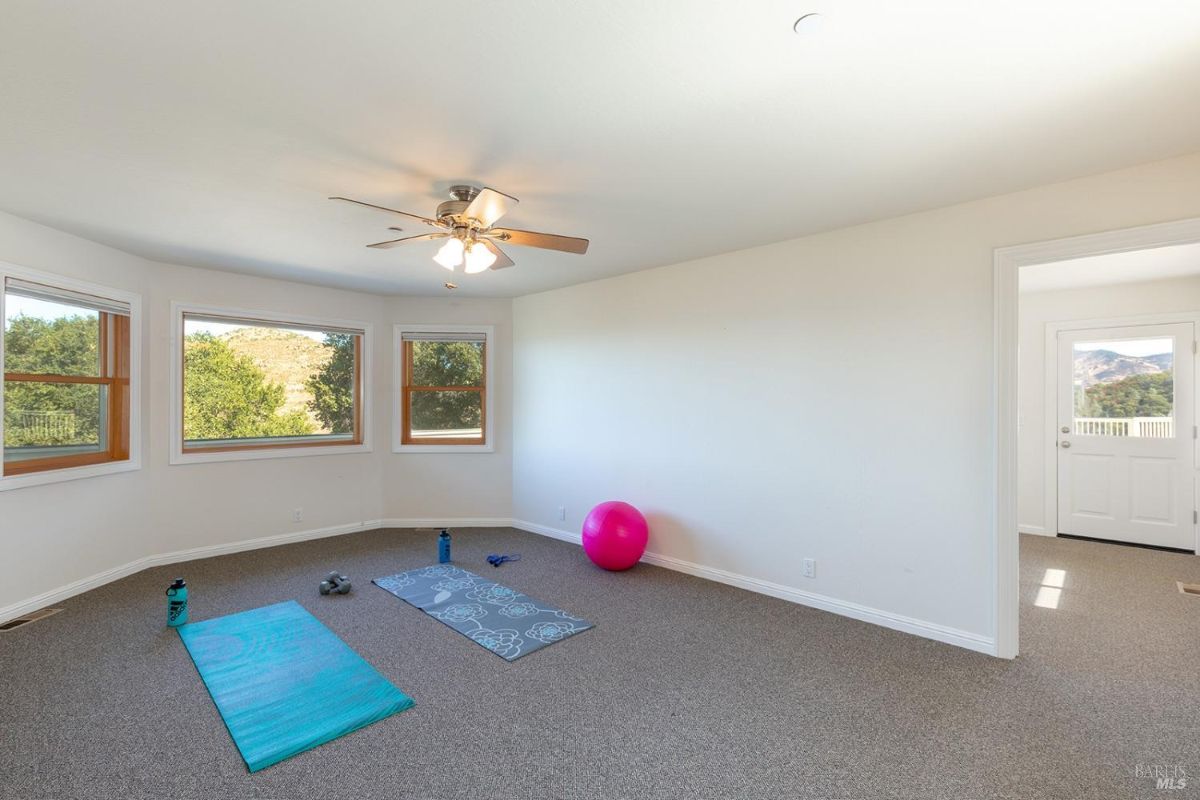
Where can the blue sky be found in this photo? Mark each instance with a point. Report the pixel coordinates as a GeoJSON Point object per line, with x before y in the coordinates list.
{"type": "Point", "coordinates": [15, 306]}
{"type": "Point", "coordinates": [219, 328]}
{"type": "Point", "coordinates": [1130, 347]}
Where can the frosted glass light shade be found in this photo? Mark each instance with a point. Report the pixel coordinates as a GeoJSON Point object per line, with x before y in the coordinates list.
{"type": "Point", "coordinates": [451, 254]}
{"type": "Point", "coordinates": [479, 258]}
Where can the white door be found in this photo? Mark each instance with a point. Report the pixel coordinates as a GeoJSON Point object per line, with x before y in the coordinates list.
{"type": "Point", "coordinates": [1125, 435]}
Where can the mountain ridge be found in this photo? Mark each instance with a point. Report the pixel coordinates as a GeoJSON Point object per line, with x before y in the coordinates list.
{"type": "Point", "coordinates": [287, 358]}
{"type": "Point", "coordinates": [1107, 366]}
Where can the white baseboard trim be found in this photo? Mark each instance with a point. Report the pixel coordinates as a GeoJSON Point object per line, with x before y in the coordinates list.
{"type": "Point", "coordinates": [446, 522]}
{"type": "Point", "coordinates": [1033, 530]}
{"type": "Point", "coordinates": [553, 533]}
{"type": "Point", "coordinates": [928, 630]}
{"type": "Point", "coordinates": [918, 627]}
{"type": "Point", "coordinates": [116, 573]}
{"type": "Point", "coordinates": [22, 607]}
{"type": "Point", "coordinates": [211, 550]}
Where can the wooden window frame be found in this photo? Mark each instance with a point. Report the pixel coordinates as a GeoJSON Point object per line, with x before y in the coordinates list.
{"type": "Point", "coordinates": [118, 370]}
{"type": "Point", "coordinates": [403, 441]}
{"type": "Point", "coordinates": [114, 375]}
{"type": "Point", "coordinates": [406, 436]}
{"type": "Point", "coordinates": [183, 452]}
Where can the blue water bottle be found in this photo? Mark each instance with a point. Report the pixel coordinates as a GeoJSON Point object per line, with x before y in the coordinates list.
{"type": "Point", "coordinates": [444, 547]}
{"type": "Point", "coordinates": [177, 603]}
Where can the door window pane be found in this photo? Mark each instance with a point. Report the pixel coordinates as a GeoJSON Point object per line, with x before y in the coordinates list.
{"type": "Point", "coordinates": [1124, 388]}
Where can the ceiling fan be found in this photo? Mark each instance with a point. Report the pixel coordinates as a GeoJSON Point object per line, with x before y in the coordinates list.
{"type": "Point", "coordinates": [466, 221]}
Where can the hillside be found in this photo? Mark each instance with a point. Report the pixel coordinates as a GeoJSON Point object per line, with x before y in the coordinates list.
{"type": "Point", "coordinates": [288, 358]}
{"type": "Point", "coordinates": [1105, 366]}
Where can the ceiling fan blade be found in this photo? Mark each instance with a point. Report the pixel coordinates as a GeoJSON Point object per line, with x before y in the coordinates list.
{"type": "Point", "coordinates": [426, 220]}
{"type": "Point", "coordinates": [546, 241]}
{"type": "Point", "coordinates": [394, 242]}
{"type": "Point", "coordinates": [502, 260]}
{"type": "Point", "coordinates": [489, 206]}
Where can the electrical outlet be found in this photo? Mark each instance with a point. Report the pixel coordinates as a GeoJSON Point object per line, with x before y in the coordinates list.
{"type": "Point", "coordinates": [810, 568]}
{"type": "Point", "coordinates": [298, 515]}
{"type": "Point", "coordinates": [562, 512]}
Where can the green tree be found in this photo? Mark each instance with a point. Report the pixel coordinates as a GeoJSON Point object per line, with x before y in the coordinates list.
{"type": "Point", "coordinates": [60, 346]}
{"type": "Point", "coordinates": [226, 396]}
{"type": "Point", "coordinates": [332, 386]}
{"type": "Point", "coordinates": [47, 414]}
{"type": "Point", "coordinates": [447, 364]}
{"type": "Point", "coordinates": [1135, 396]}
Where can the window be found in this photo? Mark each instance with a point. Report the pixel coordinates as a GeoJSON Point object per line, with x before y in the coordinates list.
{"type": "Point", "coordinates": [252, 382]}
{"type": "Point", "coordinates": [1124, 388]}
{"type": "Point", "coordinates": [443, 388]}
{"type": "Point", "coordinates": [68, 394]}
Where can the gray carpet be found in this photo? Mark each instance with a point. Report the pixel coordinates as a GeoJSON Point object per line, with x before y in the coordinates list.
{"type": "Point", "coordinates": [685, 689]}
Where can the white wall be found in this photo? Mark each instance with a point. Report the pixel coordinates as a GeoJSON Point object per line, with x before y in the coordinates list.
{"type": "Point", "coordinates": [1036, 310]}
{"type": "Point", "coordinates": [474, 486]}
{"type": "Point", "coordinates": [828, 397]}
{"type": "Point", "coordinates": [60, 533]}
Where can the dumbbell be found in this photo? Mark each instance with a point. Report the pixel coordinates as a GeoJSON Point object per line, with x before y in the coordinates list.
{"type": "Point", "coordinates": [336, 583]}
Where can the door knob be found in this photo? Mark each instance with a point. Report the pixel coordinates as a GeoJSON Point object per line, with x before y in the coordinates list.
{"type": "Point", "coordinates": [1066, 429]}
{"type": "Point", "coordinates": [1064, 445]}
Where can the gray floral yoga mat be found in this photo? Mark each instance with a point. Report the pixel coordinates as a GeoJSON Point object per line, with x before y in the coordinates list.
{"type": "Point", "coordinates": [508, 623]}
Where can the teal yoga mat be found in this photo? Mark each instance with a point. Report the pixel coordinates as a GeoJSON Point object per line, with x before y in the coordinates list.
{"type": "Point", "coordinates": [284, 683]}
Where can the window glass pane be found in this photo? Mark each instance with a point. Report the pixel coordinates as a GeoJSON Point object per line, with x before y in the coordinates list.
{"type": "Point", "coordinates": [1124, 388]}
{"type": "Point", "coordinates": [245, 380]}
{"type": "Point", "coordinates": [447, 363]}
{"type": "Point", "coordinates": [50, 338]}
{"type": "Point", "coordinates": [44, 420]}
{"type": "Point", "coordinates": [447, 415]}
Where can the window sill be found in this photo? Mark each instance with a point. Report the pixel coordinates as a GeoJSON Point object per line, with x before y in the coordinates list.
{"type": "Point", "coordinates": [443, 448]}
{"type": "Point", "coordinates": [179, 457]}
{"type": "Point", "coordinates": [67, 474]}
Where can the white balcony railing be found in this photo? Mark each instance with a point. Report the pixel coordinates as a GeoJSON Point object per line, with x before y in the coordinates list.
{"type": "Point", "coordinates": [1144, 427]}
{"type": "Point", "coordinates": [44, 425]}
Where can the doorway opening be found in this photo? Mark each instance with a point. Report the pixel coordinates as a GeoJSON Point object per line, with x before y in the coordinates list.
{"type": "Point", "coordinates": [1108, 423]}
{"type": "Point", "coordinates": [1096, 404]}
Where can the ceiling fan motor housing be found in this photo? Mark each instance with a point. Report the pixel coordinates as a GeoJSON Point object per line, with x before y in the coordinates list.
{"type": "Point", "coordinates": [452, 208]}
{"type": "Point", "coordinates": [463, 195]}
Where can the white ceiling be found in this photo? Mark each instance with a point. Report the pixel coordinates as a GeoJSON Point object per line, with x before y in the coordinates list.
{"type": "Point", "coordinates": [210, 133]}
{"type": "Point", "coordinates": [1177, 261]}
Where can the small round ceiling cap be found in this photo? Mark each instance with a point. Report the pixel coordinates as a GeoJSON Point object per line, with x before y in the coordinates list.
{"type": "Point", "coordinates": [809, 24]}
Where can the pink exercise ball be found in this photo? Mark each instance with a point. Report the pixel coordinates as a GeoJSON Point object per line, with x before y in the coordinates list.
{"type": "Point", "coordinates": [614, 535]}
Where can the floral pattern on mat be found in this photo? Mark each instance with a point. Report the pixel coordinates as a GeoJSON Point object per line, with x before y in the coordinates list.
{"type": "Point", "coordinates": [500, 619]}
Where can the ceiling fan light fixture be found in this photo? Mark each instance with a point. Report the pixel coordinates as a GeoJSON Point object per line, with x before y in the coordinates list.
{"type": "Point", "coordinates": [478, 258]}
{"type": "Point", "coordinates": [469, 220]}
{"type": "Point", "coordinates": [450, 255]}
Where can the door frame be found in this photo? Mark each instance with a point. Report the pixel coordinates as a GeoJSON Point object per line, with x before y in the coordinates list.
{"type": "Point", "coordinates": [1006, 264]}
{"type": "Point", "coordinates": [1050, 400]}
